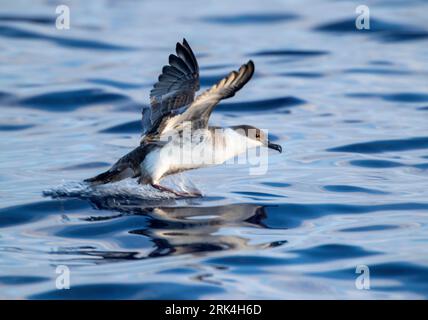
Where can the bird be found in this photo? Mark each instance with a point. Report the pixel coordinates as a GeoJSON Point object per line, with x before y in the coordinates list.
{"type": "Point", "coordinates": [176, 135]}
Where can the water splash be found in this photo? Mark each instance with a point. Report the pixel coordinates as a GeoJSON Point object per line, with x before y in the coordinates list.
{"type": "Point", "coordinates": [128, 190]}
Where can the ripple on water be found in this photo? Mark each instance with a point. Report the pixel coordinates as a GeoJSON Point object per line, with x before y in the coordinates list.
{"type": "Point", "coordinates": [292, 215]}
{"type": "Point", "coordinates": [402, 276]}
{"type": "Point", "coordinates": [410, 97]}
{"type": "Point", "coordinates": [73, 99]}
{"type": "Point", "coordinates": [251, 18]}
{"type": "Point", "coordinates": [289, 52]}
{"type": "Point", "coordinates": [382, 30]}
{"type": "Point", "coordinates": [376, 164]}
{"type": "Point", "coordinates": [379, 146]}
{"type": "Point", "coordinates": [261, 105]}
{"type": "Point", "coordinates": [303, 74]}
{"type": "Point", "coordinates": [370, 228]}
{"type": "Point", "coordinates": [144, 290]}
{"type": "Point", "coordinates": [127, 127]}
{"type": "Point", "coordinates": [115, 83]}
{"type": "Point", "coordinates": [15, 127]}
{"type": "Point", "coordinates": [347, 188]}
{"type": "Point", "coordinates": [329, 252]}
{"type": "Point", "coordinates": [23, 214]}
{"type": "Point", "coordinates": [21, 280]}
{"type": "Point", "coordinates": [37, 19]}
{"type": "Point", "coordinates": [21, 33]}
{"type": "Point", "coordinates": [87, 165]}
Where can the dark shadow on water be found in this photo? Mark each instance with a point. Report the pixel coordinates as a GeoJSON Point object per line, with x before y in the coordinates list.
{"type": "Point", "coordinates": [261, 105]}
{"type": "Point", "coordinates": [15, 127]}
{"type": "Point", "coordinates": [115, 84]}
{"type": "Point", "coordinates": [289, 52]}
{"type": "Point", "coordinates": [173, 226]}
{"type": "Point", "coordinates": [251, 18]}
{"type": "Point", "coordinates": [87, 165]}
{"type": "Point", "coordinates": [376, 71]}
{"type": "Point", "coordinates": [402, 276]}
{"type": "Point", "coordinates": [292, 215]}
{"type": "Point", "coordinates": [175, 230]}
{"type": "Point", "coordinates": [347, 189]}
{"type": "Point", "coordinates": [23, 34]}
{"type": "Point", "coordinates": [382, 30]}
{"type": "Point", "coordinates": [128, 127]}
{"type": "Point", "coordinates": [410, 97]}
{"type": "Point", "coordinates": [303, 74]}
{"type": "Point", "coordinates": [37, 19]}
{"type": "Point", "coordinates": [384, 164]}
{"type": "Point", "coordinates": [380, 146]}
{"type": "Point", "coordinates": [62, 101]}
{"type": "Point", "coordinates": [371, 228]}
{"type": "Point", "coordinates": [31, 212]}
{"type": "Point", "coordinates": [21, 280]}
{"type": "Point", "coordinates": [146, 290]}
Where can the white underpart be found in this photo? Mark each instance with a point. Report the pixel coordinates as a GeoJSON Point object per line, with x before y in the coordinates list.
{"type": "Point", "coordinates": [201, 149]}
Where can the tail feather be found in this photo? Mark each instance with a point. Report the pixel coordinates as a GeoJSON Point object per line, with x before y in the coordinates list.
{"type": "Point", "coordinates": [111, 175]}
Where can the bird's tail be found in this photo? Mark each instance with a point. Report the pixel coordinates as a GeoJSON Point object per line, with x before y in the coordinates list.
{"type": "Point", "coordinates": [111, 175]}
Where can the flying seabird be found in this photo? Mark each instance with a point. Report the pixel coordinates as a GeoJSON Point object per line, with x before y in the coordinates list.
{"type": "Point", "coordinates": [176, 136]}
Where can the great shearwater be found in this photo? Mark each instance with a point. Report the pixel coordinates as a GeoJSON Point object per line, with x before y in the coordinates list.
{"type": "Point", "coordinates": [176, 136]}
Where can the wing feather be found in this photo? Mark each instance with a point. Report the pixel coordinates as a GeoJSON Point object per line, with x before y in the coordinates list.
{"type": "Point", "coordinates": [200, 110]}
{"type": "Point", "coordinates": [175, 88]}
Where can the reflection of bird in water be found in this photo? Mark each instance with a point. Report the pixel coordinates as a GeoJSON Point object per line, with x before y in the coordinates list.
{"type": "Point", "coordinates": [176, 134]}
{"type": "Point", "coordinates": [195, 229]}
{"type": "Point", "coordinates": [181, 230]}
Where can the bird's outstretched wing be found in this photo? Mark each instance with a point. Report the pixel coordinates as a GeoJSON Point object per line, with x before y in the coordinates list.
{"type": "Point", "coordinates": [175, 89]}
{"type": "Point", "coordinates": [199, 111]}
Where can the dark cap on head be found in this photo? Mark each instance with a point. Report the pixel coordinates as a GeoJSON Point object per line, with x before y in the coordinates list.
{"type": "Point", "coordinates": [256, 134]}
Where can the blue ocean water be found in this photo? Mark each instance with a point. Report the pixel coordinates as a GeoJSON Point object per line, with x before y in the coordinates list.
{"type": "Point", "coordinates": [348, 106]}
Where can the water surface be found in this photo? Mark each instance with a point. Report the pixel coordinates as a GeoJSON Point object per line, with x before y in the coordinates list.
{"type": "Point", "coordinates": [349, 107]}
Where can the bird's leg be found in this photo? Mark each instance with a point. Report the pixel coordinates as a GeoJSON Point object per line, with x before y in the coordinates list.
{"type": "Point", "coordinates": [177, 193]}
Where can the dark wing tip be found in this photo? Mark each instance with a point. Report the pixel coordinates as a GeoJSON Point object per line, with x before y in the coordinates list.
{"type": "Point", "coordinates": [192, 55]}
{"type": "Point", "coordinates": [185, 43]}
{"type": "Point", "coordinates": [246, 73]}
{"type": "Point", "coordinates": [251, 66]}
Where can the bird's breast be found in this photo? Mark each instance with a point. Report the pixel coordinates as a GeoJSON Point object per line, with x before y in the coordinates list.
{"type": "Point", "coordinates": [196, 151]}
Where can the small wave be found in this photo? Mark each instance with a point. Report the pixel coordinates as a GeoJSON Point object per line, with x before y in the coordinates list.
{"type": "Point", "coordinates": [383, 30]}
{"type": "Point", "coordinates": [348, 189]}
{"type": "Point", "coordinates": [85, 44]}
{"type": "Point", "coordinates": [410, 97]}
{"type": "Point", "coordinates": [299, 53]}
{"type": "Point", "coordinates": [87, 165]}
{"type": "Point", "coordinates": [37, 19]}
{"type": "Point", "coordinates": [127, 127]}
{"type": "Point", "coordinates": [115, 83]}
{"type": "Point", "coordinates": [348, 25]}
{"type": "Point", "coordinates": [261, 105]}
{"type": "Point", "coordinates": [302, 74]}
{"type": "Point", "coordinates": [259, 18]}
{"type": "Point", "coordinates": [376, 71]}
{"type": "Point", "coordinates": [370, 228]}
{"type": "Point", "coordinates": [376, 163]}
{"type": "Point", "coordinates": [15, 127]}
{"type": "Point", "coordinates": [380, 146]}
{"type": "Point", "coordinates": [72, 99]}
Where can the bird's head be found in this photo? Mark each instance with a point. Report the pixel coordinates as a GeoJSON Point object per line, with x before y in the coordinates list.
{"type": "Point", "coordinates": [257, 135]}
